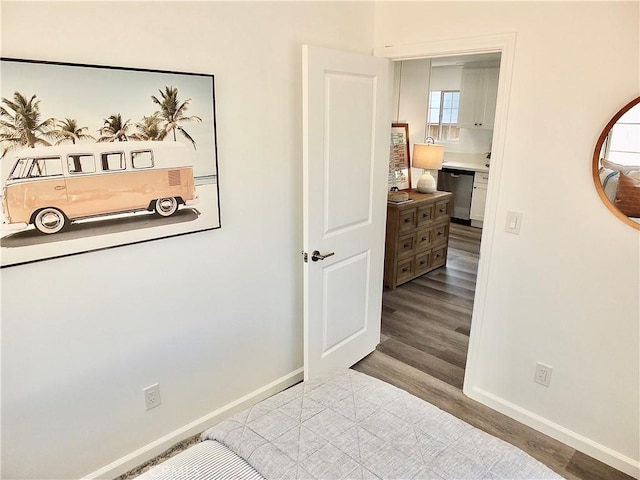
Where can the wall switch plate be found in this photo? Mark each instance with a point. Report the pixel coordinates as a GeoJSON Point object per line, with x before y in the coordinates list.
{"type": "Point", "coordinates": [543, 374]}
{"type": "Point", "coordinates": [152, 396]}
{"type": "Point", "coordinates": [514, 219]}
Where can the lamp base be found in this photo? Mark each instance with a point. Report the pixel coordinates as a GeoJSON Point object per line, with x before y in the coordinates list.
{"type": "Point", "coordinates": [426, 183]}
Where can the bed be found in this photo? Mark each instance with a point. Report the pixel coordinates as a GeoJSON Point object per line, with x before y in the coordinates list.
{"type": "Point", "coordinates": [348, 426]}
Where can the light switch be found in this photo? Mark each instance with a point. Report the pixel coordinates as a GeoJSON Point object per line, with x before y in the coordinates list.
{"type": "Point", "coordinates": [514, 219]}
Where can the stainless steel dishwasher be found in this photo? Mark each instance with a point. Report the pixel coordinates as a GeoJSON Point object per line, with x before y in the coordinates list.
{"type": "Point", "coordinates": [460, 183]}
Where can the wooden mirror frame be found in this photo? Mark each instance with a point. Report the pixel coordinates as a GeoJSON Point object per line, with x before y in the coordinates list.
{"type": "Point", "coordinates": [595, 166]}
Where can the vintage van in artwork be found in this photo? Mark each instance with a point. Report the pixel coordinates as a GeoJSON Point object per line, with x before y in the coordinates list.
{"type": "Point", "coordinates": [50, 187]}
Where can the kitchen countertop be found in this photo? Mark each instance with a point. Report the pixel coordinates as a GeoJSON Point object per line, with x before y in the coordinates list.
{"type": "Point", "coordinates": [474, 162]}
{"type": "Point", "coordinates": [472, 167]}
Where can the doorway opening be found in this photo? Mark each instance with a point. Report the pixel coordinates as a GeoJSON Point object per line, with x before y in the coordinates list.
{"type": "Point", "coordinates": [426, 322]}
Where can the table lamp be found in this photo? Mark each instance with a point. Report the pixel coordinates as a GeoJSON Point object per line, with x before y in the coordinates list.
{"type": "Point", "coordinates": [427, 156]}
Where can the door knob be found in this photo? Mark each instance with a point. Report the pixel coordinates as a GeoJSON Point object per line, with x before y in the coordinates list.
{"type": "Point", "coordinates": [315, 255]}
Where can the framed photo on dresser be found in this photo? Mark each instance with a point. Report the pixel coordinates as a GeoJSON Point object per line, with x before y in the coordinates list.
{"type": "Point", "coordinates": [399, 162]}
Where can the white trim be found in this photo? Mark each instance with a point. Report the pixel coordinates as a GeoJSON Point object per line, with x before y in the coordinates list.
{"type": "Point", "coordinates": [448, 47]}
{"type": "Point", "coordinates": [569, 437]}
{"type": "Point", "coordinates": [138, 457]}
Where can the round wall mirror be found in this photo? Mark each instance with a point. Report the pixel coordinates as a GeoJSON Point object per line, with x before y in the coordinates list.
{"type": "Point", "coordinates": [616, 164]}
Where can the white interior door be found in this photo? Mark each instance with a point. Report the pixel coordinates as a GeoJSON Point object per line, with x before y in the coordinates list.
{"type": "Point", "coordinates": [346, 131]}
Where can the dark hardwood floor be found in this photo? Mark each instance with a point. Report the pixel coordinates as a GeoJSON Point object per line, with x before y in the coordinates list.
{"type": "Point", "coordinates": [426, 322]}
{"type": "Point", "coordinates": [425, 335]}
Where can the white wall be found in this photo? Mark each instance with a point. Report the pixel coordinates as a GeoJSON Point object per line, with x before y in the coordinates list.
{"type": "Point", "coordinates": [565, 291]}
{"type": "Point", "coordinates": [448, 77]}
{"type": "Point", "coordinates": [210, 316]}
{"type": "Point", "coordinates": [219, 315]}
{"type": "Point", "coordinates": [413, 95]}
{"type": "Point", "coordinates": [412, 89]}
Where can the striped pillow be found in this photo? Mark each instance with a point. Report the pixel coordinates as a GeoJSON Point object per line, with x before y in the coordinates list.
{"type": "Point", "coordinates": [207, 460]}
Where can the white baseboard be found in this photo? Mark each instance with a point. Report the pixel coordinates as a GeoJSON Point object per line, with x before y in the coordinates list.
{"type": "Point", "coordinates": [138, 457]}
{"type": "Point", "coordinates": [564, 435]}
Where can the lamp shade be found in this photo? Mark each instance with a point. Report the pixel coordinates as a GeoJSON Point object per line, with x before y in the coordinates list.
{"type": "Point", "coordinates": [427, 156]}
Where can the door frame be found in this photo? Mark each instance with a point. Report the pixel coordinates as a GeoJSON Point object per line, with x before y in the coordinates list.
{"type": "Point", "coordinates": [505, 44]}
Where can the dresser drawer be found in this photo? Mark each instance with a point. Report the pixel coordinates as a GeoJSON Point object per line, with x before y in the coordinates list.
{"type": "Point", "coordinates": [407, 219]}
{"type": "Point", "coordinates": [425, 214]}
{"type": "Point", "coordinates": [442, 210]}
{"type": "Point", "coordinates": [440, 233]}
{"type": "Point", "coordinates": [439, 256]}
{"type": "Point", "coordinates": [406, 245]}
{"type": "Point", "coordinates": [423, 262]}
{"type": "Point", "coordinates": [423, 238]}
{"type": "Point", "coordinates": [405, 269]}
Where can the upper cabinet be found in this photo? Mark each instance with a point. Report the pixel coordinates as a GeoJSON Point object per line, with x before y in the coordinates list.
{"type": "Point", "coordinates": [478, 96]}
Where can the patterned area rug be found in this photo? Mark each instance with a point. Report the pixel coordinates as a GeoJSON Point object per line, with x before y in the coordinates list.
{"type": "Point", "coordinates": [170, 452]}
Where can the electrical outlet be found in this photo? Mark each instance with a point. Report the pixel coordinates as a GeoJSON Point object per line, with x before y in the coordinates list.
{"type": "Point", "coordinates": [152, 396]}
{"type": "Point", "coordinates": [543, 374]}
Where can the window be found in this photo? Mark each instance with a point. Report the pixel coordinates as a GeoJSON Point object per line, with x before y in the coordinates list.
{"type": "Point", "coordinates": [45, 167]}
{"type": "Point", "coordinates": [142, 159]}
{"type": "Point", "coordinates": [442, 115]}
{"type": "Point", "coordinates": [623, 143]}
{"type": "Point", "coordinates": [113, 161]}
{"type": "Point", "coordinates": [81, 163]}
{"type": "Point", "coordinates": [19, 168]}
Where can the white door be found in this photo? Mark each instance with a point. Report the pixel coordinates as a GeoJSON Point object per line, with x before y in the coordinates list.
{"type": "Point", "coordinates": [346, 131]}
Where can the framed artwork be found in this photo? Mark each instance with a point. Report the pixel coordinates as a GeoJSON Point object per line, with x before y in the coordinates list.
{"type": "Point", "coordinates": [95, 157]}
{"type": "Point", "coordinates": [399, 163]}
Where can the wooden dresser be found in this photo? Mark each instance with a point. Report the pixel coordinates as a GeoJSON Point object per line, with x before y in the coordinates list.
{"type": "Point", "coordinates": [417, 237]}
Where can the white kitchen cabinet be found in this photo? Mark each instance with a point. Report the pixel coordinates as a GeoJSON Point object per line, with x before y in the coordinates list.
{"type": "Point", "coordinates": [478, 198]}
{"type": "Point", "coordinates": [478, 96]}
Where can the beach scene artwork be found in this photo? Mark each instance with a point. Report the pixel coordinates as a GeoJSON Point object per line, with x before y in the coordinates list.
{"type": "Point", "coordinates": [95, 157]}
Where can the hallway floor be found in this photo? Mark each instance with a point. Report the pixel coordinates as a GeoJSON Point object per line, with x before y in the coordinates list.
{"type": "Point", "coordinates": [426, 322]}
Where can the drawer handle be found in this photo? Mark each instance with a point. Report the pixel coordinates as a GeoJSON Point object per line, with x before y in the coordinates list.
{"type": "Point", "coordinates": [405, 269]}
{"type": "Point", "coordinates": [407, 220]}
{"type": "Point", "coordinates": [406, 245]}
{"type": "Point", "coordinates": [443, 210]}
{"type": "Point", "coordinates": [424, 239]}
{"type": "Point", "coordinates": [440, 233]}
{"type": "Point", "coordinates": [422, 262]}
{"type": "Point", "coordinates": [438, 255]}
{"type": "Point", "coordinates": [425, 215]}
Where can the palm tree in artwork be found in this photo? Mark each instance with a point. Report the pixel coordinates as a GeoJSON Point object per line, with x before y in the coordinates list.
{"type": "Point", "coordinates": [150, 128]}
{"type": "Point", "coordinates": [173, 112]}
{"type": "Point", "coordinates": [21, 123]}
{"type": "Point", "coordinates": [114, 129]}
{"type": "Point", "coordinates": [68, 129]}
